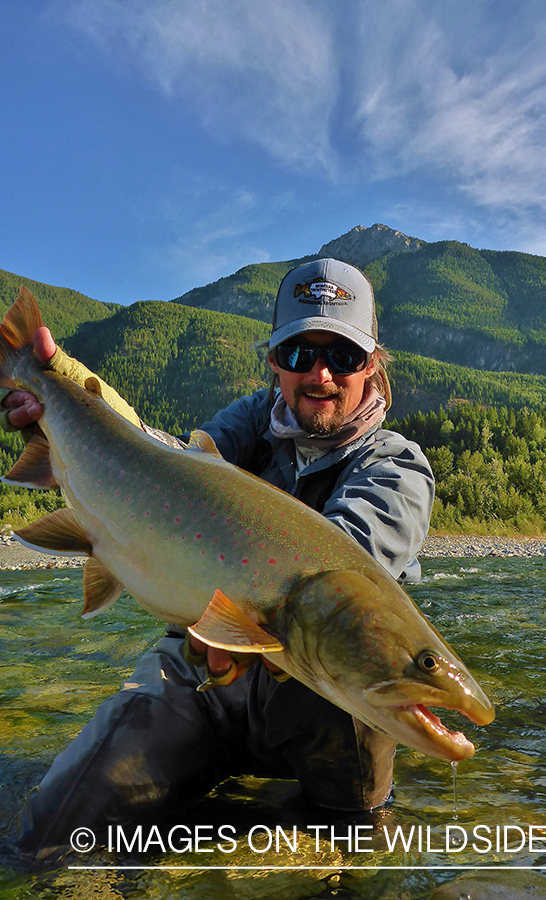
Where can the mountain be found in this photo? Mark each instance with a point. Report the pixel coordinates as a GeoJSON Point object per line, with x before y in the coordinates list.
{"type": "Point", "coordinates": [480, 308]}
{"type": "Point", "coordinates": [362, 245]}
{"type": "Point", "coordinates": [63, 309]}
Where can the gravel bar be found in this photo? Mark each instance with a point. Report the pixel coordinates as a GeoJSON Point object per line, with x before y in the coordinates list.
{"type": "Point", "coordinates": [14, 556]}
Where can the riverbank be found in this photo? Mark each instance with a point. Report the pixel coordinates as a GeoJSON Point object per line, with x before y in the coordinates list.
{"type": "Point", "coordinates": [14, 556]}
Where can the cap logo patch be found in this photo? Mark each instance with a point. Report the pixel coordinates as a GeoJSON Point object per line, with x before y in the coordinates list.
{"type": "Point", "coordinates": [317, 291]}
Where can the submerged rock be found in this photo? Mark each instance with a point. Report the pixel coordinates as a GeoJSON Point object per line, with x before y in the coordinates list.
{"type": "Point", "coordinates": [494, 885]}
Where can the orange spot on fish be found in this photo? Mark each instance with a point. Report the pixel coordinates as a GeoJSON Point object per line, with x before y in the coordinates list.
{"type": "Point", "coordinates": [272, 562]}
{"type": "Point", "coordinates": [178, 520]}
{"type": "Point", "coordinates": [222, 557]}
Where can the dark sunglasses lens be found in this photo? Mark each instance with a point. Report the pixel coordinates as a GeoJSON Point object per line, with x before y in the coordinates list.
{"type": "Point", "coordinates": [341, 359]}
{"type": "Point", "coordinates": [346, 359]}
{"type": "Point", "coordinates": [295, 357]}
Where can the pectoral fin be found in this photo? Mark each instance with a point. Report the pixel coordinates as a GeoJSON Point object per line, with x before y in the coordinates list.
{"type": "Point", "coordinates": [33, 468]}
{"type": "Point", "coordinates": [224, 625]}
{"type": "Point", "coordinates": [58, 532]}
{"type": "Point", "coordinates": [100, 588]}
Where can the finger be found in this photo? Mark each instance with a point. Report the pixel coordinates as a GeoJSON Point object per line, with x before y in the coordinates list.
{"type": "Point", "coordinates": [26, 414]}
{"type": "Point", "coordinates": [218, 660]}
{"type": "Point", "coordinates": [271, 666]}
{"type": "Point", "coordinates": [44, 345]}
{"type": "Point", "coordinates": [17, 398]}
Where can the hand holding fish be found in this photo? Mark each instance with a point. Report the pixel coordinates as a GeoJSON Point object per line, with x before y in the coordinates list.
{"type": "Point", "coordinates": [26, 409]}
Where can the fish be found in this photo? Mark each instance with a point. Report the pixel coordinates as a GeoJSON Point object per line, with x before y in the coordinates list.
{"type": "Point", "coordinates": [242, 565]}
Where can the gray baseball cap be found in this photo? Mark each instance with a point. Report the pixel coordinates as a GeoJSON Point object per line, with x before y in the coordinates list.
{"type": "Point", "coordinates": [326, 295]}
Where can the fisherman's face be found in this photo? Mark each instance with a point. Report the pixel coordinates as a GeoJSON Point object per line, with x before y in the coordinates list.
{"type": "Point", "coordinates": [320, 399]}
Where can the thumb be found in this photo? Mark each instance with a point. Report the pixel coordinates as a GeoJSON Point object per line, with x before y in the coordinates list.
{"type": "Point", "coordinates": [44, 345]}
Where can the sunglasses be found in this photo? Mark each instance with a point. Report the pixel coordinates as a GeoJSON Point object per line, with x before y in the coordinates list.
{"type": "Point", "coordinates": [342, 358]}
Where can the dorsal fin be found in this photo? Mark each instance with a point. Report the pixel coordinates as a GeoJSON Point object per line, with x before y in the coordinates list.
{"type": "Point", "coordinates": [202, 442]}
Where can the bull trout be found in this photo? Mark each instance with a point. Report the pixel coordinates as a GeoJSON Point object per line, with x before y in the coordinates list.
{"type": "Point", "coordinates": [198, 542]}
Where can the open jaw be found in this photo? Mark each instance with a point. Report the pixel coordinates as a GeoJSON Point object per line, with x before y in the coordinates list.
{"type": "Point", "coordinates": [452, 745]}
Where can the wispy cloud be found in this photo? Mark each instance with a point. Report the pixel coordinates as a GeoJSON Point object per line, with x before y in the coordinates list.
{"type": "Point", "coordinates": [259, 72]}
{"type": "Point", "coordinates": [459, 103]}
{"type": "Point", "coordinates": [354, 89]}
{"type": "Point", "coordinates": [225, 232]}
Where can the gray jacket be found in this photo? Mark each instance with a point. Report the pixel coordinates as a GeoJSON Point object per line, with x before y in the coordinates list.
{"type": "Point", "coordinates": [379, 488]}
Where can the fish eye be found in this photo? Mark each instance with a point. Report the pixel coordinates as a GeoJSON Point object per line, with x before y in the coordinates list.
{"type": "Point", "coordinates": [428, 661]}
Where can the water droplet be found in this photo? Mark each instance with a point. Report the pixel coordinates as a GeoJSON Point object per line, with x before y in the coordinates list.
{"type": "Point", "coordinates": [454, 765]}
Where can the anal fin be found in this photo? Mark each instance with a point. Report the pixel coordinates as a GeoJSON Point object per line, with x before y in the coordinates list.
{"type": "Point", "coordinates": [224, 625]}
{"type": "Point", "coordinates": [58, 532]}
{"type": "Point", "coordinates": [100, 588]}
{"type": "Point", "coordinates": [33, 468]}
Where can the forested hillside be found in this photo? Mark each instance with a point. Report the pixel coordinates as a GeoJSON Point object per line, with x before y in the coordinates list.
{"type": "Point", "coordinates": [489, 465]}
{"type": "Point", "coordinates": [177, 366]}
{"type": "Point", "coordinates": [63, 309]}
{"type": "Point", "coordinates": [479, 308]}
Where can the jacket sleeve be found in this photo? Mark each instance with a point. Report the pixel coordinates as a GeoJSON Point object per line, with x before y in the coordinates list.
{"type": "Point", "coordinates": [384, 501]}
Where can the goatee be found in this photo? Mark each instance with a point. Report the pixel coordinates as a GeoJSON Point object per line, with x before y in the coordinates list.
{"type": "Point", "coordinates": [321, 422]}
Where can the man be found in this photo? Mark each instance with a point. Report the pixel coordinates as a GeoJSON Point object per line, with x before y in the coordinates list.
{"type": "Point", "coordinates": [160, 742]}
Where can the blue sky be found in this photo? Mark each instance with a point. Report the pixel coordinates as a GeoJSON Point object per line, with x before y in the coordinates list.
{"type": "Point", "coordinates": [151, 146]}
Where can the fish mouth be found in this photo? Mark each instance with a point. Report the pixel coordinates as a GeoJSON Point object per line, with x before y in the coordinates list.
{"type": "Point", "coordinates": [451, 745]}
{"type": "Point", "coordinates": [422, 729]}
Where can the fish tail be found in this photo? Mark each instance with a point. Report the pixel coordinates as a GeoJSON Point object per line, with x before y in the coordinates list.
{"type": "Point", "coordinates": [17, 330]}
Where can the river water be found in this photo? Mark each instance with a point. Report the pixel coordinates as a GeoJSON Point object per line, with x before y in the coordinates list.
{"type": "Point", "coordinates": [255, 838]}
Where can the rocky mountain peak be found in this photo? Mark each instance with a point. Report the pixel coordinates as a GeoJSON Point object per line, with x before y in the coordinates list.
{"type": "Point", "coordinates": [362, 245]}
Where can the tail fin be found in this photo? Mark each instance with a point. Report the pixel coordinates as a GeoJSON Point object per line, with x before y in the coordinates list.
{"type": "Point", "coordinates": [17, 328]}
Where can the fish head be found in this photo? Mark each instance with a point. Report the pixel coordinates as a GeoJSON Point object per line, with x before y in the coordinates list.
{"type": "Point", "coordinates": [362, 643]}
